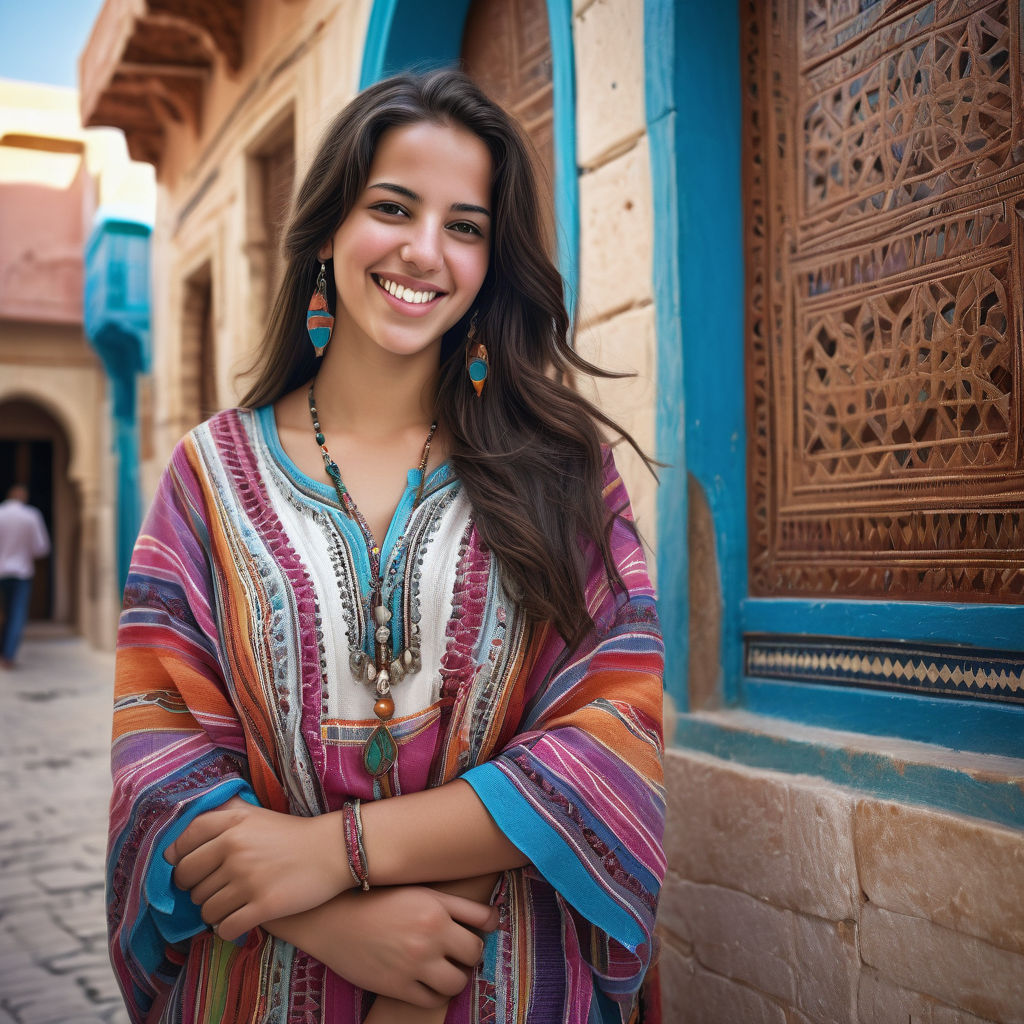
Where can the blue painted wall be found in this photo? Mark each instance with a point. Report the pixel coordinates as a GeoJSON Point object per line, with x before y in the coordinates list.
{"type": "Point", "coordinates": [117, 322]}
{"type": "Point", "coordinates": [693, 115]}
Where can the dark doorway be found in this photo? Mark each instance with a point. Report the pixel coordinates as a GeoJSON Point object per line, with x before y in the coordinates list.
{"type": "Point", "coordinates": [34, 451]}
{"type": "Point", "coordinates": [31, 463]}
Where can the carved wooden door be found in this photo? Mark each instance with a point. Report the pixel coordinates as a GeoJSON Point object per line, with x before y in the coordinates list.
{"type": "Point", "coordinates": [884, 154]}
{"type": "Point", "coordinates": [884, 191]}
{"type": "Point", "coordinates": [506, 49]}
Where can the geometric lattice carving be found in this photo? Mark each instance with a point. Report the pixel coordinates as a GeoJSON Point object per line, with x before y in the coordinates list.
{"type": "Point", "coordinates": [884, 160]}
{"type": "Point", "coordinates": [915, 379]}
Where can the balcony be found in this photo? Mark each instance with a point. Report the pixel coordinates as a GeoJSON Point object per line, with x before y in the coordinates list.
{"type": "Point", "coordinates": [147, 64]}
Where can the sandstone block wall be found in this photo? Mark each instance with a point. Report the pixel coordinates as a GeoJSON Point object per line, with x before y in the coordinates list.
{"type": "Point", "coordinates": [616, 295]}
{"type": "Point", "coordinates": [792, 901]}
{"type": "Point", "coordinates": [615, 303]}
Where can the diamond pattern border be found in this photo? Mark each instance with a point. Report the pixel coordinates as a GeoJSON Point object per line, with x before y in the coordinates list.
{"type": "Point", "coordinates": [934, 670]}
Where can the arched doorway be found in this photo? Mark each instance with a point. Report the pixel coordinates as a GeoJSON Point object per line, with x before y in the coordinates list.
{"type": "Point", "coordinates": [35, 451]}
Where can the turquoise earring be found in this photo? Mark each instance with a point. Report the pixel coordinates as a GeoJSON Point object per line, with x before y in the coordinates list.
{"type": "Point", "coordinates": [319, 319]}
{"type": "Point", "coordinates": [477, 364]}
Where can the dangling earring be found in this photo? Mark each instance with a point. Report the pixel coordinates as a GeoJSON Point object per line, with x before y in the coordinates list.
{"type": "Point", "coordinates": [477, 364]}
{"type": "Point", "coordinates": [319, 319]}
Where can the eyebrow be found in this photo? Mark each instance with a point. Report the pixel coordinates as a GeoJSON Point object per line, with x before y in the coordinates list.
{"type": "Point", "coordinates": [409, 194]}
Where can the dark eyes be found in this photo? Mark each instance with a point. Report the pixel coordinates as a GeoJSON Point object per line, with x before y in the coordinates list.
{"type": "Point", "coordinates": [465, 227]}
{"type": "Point", "coordinates": [460, 227]}
{"type": "Point", "coordinates": [388, 208]}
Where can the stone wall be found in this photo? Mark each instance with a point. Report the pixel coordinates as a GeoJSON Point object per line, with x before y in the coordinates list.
{"type": "Point", "coordinates": [616, 296]}
{"type": "Point", "coordinates": [792, 901]}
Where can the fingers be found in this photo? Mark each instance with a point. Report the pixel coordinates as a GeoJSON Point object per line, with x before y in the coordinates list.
{"type": "Point", "coordinates": [207, 887]}
{"type": "Point", "coordinates": [196, 866]}
{"type": "Point", "coordinates": [203, 828]}
{"type": "Point", "coordinates": [445, 978]}
{"type": "Point", "coordinates": [463, 947]}
{"type": "Point", "coordinates": [235, 925]}
{"type": "Point", "coordinates": [481, 916]}
{"type": "Point", "coordinates": [219, 907]}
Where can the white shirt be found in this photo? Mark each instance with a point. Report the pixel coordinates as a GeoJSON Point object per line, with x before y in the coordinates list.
{"type": "Point", "coordinates": [23, 538]}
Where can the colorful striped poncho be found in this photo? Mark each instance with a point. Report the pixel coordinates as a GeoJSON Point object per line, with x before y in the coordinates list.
{"type": "Point", "coordinates": [244, 618]}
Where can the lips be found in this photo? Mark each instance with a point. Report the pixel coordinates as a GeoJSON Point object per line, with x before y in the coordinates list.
{"type": "Point", "coordinates": [406, 294]}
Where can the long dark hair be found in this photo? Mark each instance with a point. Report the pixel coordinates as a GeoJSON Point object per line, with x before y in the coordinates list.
{"type": "Point", "coordinates": [527, 451]}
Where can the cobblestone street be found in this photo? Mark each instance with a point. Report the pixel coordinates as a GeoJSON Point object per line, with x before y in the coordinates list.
{"type": "Point", "coordinates": [55, 715]}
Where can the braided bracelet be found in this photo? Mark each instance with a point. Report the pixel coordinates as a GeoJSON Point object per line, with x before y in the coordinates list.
{"type": "Point", "coordinates": [352, 824]}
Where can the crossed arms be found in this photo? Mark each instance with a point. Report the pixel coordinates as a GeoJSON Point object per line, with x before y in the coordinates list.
{"type": "Point", "coordinates": [413, 938]}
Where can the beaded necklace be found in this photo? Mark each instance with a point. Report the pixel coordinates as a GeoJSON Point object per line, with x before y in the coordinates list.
{"type": "Point", "coordinates": [380, 752]}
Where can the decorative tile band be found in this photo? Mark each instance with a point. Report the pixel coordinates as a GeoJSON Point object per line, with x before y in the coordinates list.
{"type": "Point", "coordinates": [934, 670]}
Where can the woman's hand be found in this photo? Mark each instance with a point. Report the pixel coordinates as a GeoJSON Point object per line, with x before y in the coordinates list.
{"type": "Point", "coordinates": [246, 865]}
{"type": "Point", "coordinates": [410, 943]}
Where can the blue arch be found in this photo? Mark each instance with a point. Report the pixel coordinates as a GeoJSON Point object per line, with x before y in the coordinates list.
{"type": "Point", "coordinates": [410, 35]}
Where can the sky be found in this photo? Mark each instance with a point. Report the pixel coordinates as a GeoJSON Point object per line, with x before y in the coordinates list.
{"type": "Point", "coordinates": [40, 40]}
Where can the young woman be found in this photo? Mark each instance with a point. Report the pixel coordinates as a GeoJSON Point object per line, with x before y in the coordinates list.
{"type": "Point", "coordinates": [401, 760]}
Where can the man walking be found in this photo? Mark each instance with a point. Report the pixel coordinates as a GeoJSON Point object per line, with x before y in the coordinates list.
{"type": "Point", "coordinates": [23, 539]}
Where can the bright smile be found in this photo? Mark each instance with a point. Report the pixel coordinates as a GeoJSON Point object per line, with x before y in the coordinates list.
{"type": "Point", "coordinates": [403, 294]}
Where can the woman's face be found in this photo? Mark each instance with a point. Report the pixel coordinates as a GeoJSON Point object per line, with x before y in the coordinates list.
{"type": "Point", "coordinates": [412, 254]}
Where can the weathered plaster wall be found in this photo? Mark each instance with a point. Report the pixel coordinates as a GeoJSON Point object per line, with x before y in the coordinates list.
{"type": "Point", "coordinates": [44, 196]}
{"type": "Point", "coordinates": [52, 176]}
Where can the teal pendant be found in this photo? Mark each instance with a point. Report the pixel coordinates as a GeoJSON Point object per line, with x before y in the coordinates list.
{"type": "Point", "coordinates": [477, 365]}
{"type": "Point", "coordinates": [380, 752]}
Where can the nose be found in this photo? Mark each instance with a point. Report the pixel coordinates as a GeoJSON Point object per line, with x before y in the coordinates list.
{"type": "Point", "coordinates": [422, 246]}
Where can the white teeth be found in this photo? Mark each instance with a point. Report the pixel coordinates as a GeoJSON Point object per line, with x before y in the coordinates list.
{"type": "Point", "coordinates": [409, 295]}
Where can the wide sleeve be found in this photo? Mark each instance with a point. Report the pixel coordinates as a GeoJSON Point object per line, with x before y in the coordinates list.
{"type": "Point", "coordinates": [178, 747]}
{"type": "Point", "coordinates": [579, 789]}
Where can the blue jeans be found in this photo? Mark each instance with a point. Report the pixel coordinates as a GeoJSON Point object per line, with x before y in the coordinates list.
{"type": "Point", "coordinates": [15, 594]}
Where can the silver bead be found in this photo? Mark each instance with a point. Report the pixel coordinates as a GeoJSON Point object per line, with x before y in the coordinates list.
{"type": "Point", "coordinates": [383, 634]}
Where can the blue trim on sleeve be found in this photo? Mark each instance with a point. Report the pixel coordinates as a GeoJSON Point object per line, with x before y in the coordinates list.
{"type": "Point", "coordinates": [169, 915]}
{"type": "Point", "coordinates": [550, 854]}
